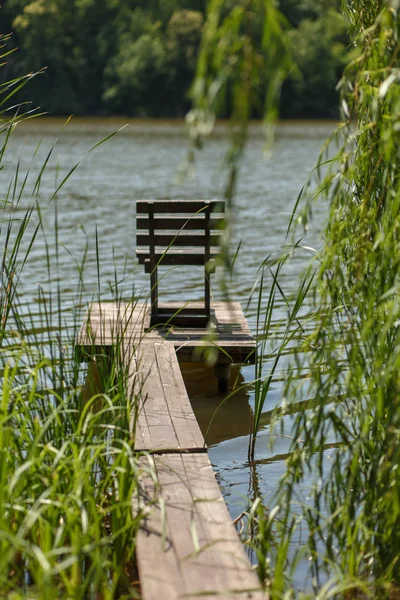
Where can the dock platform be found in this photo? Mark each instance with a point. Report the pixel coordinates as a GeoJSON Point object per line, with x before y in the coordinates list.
{"type": "Point", "coordinates": [187, 546]}
{"type": "Point", "coordinates": [108, 323]}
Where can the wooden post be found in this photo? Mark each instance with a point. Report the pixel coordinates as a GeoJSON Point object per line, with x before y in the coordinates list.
{"type": "Point", "coordinates": [222, 371]}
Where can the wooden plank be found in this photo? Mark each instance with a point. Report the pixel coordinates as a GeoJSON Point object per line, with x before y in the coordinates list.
{"type": "Point", "coordinates": [187, 545]}
{"type": "Point", "coordinates": [170, 256]}
{"type": "Point", "coordinates": [180, 223]}
{"type": "Point", "coordinates": [178, 239]}
{"type": "Point", "coordinates": [234, 353]}
{"type": "Point", "coordinates": [178, 320]}
{"type": "Point", "coordinates": [107, 322]}
{"type": "Point", "coordinates": [151, 426]}
{"type": "Point", "coordinates": [165, 418]}
{"type": "Point", "coordinates": [112, 324]}
{"type": "Point", "coordinates": [179, 206]}
{"type": "Point", "coordinates": [166, 310]}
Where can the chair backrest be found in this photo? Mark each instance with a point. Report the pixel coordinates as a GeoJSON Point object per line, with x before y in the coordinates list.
{"type": "Point", "coordinates": [178, 232]}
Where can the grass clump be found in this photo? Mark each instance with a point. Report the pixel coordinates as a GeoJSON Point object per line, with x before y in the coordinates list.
{"type": "Point", "coordinates": [67, 478]}
{"type": "Point", "coordinates": [347, 498]}
{"type": "Point", "coordinates": [68, 472]}
{"type": "Point", "coordinates": [341, 490]}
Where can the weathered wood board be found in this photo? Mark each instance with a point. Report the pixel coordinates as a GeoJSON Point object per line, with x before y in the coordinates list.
{"type": "Point", "coordinates": [187, 546]}
{"type": "Point", "coordinates": [164, 420]}
{"type": "Point", "coordinates": [180, 206]}
{"type": "Point", "coordinates": [109, 324]}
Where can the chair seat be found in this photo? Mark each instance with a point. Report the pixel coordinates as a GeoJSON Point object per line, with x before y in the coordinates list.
{"type": "Point", "coordinates": [177, 320]}
{"type": "Point", "coordinates": [180, 317]}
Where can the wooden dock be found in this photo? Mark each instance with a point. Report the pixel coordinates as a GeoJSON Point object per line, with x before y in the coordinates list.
{"type": "Point", "coordinates": [187, 545]}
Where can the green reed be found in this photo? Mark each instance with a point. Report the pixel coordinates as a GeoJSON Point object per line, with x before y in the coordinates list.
{"type": "Point", "coordinates": [342, 480]}
{"type": "Point", "coordinates": [244, 43]}
{"type": "Point", "coordinates": [351, 510]}
{"type": "Point", "coordinates": [293, 330]}
{"type": "Point", "coordinates": [67, 468]}
{"type": "Point", "coordinates": [68, 472]}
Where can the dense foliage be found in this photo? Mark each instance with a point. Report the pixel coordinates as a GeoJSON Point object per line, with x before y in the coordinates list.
{"type": "Point", "coordinates": [342, 483]}
{"type": "Point", "coordinates": [68, 473]}
{"type": "Point", "coordinates": [136, 57]}
{"type": "Point", "coordinates": [335, 520]}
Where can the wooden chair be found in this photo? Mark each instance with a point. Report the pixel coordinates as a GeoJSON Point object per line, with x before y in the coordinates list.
{"type": "Point", "coordinates": [179, 232]}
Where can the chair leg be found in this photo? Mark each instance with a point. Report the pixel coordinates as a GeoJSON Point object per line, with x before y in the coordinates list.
{"type": "Point", "coordinates": [154, 292]}
{"type": "Point", "coordinates": [207, 296]}
{"type": "Point", "coordinates": [153, 265]}
{"type": "Point", "coordinates": [206, 259]}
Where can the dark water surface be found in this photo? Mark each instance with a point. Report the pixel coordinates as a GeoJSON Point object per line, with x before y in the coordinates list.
{"type": "Point", "coordinates": [143, 161]}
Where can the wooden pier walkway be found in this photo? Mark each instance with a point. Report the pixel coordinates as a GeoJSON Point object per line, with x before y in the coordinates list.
{"type": "Point", "coordinates": [187, 546]}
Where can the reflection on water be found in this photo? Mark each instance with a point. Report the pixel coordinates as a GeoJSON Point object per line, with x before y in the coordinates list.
{"type": "Point", "coordinates": [220, 418]}
{"type": "Point", "coordinates": [226, 423]}
{"type": "Point", "coordinates": [142, 162]}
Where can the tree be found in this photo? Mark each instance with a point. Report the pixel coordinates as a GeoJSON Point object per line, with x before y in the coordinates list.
{"type": "Point", "coordinates": [136, 80]}
{"type": "Point", "coordinates": [69, 39]}
{"type": "Point", "coordinates": [97, 63]}
{"type": "Point", "coordinates": [183, 37]}
{"type": "Point", "coordinates": [320, 51]}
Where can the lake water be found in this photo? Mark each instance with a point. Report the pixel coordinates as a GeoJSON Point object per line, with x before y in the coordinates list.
{"type": "Point", "coordinates": [143, 161]}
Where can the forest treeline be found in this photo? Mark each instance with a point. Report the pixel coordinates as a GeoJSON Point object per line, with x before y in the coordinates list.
{"type": "Point", "coordinates": [138, 57]}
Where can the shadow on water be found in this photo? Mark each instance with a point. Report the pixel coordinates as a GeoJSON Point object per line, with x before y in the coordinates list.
{"type": "Point", "coordinates": [223, 418]}
{"type": "Point", "coordinates": [220, 419]}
